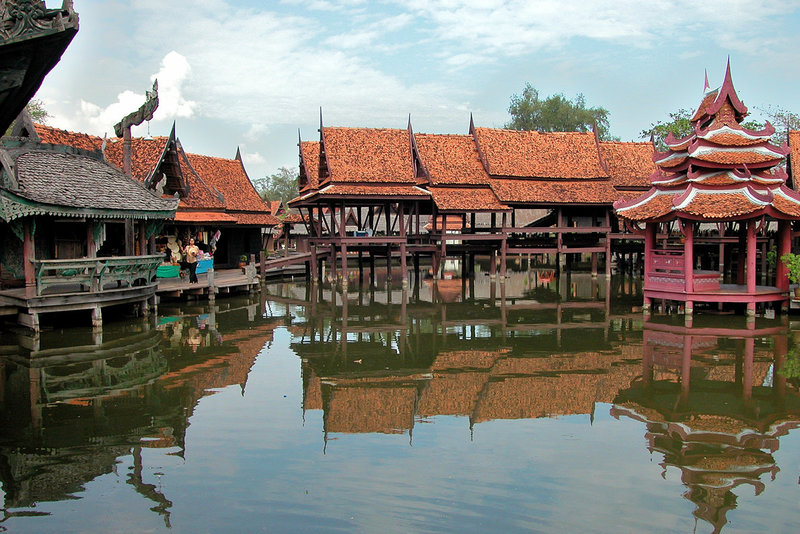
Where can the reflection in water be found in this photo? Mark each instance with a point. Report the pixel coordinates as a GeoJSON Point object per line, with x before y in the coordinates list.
{"type": "Point", "coordinates": [715, 401]}
{"type": "Point", "coordinates": [503, 368]}
{"type": "Point", "coordinates": [73, 403]}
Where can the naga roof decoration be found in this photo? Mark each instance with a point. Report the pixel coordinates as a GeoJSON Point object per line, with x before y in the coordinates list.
{"type": "Point", "coordinates": [720, 171]}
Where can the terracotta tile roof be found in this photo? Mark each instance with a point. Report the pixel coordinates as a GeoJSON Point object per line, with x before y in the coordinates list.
{"type": "Point", "coordinates": [629, 164]}
{"type": "Point", "coordinates": [794, 157]}
{"type": "Point", "coordinates": [204, 216]}
{"type": "Point", "coordinates": [309, 165]}
{"type": "Point", "coordinates": [201, 194]}
{"type": "Point", "coordinates": [524, 154]}
{"type": "Point", "coordinates": [55, 136]}
{"type": "Point", "coordinates": [550, 192]}
{"type": "Point", "coordinates": [368, 155]}
{"type": "Point", "coordinates": [466, 199]}
{"type": "Point", "coordinates": [451, 159]}
{"type": "Point", "coordinates": [229, 178]}
{"type": "Point", "coordinates": [376, 190]}
{"type": "Point", "coordinates": [257, 219]}
{"type": "Point", "coordinates": [145, 154]}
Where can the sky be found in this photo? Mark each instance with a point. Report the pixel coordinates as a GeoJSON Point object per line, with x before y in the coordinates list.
{"type": "Point", "coordinates": [252, 74]}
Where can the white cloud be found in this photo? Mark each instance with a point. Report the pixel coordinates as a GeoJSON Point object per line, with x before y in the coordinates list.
{"type": "Point", "coordinates": [253, 158]}
{"type": "Point", "coordinates": [174, 71]}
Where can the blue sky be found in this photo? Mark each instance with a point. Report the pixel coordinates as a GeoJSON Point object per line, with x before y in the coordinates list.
{"type": "Point", "coordinates": [236, 73]}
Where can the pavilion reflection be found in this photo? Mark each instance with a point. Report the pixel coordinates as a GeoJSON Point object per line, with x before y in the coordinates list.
{"type": "Point", "coordinates": [383, 360]}
{"type": "Point", "coordinates": [73, 403]}
{"type": "Point", "coordinates": [715, 400]}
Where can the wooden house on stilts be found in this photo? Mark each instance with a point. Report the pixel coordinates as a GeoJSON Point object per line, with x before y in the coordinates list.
{"type": "Point", "coordinates": [725, 175]}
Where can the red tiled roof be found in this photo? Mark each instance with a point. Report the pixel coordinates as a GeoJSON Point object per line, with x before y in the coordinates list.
{"type": "Point", "coordinates": [525, 154]}
{"type": "Point", "coordinates": [451, 159]}
{"type": "Point", "coordinates": [378, 190]}
{"type": "Point", "coordinates": [55, 136]}
{"type": "Point", "coordinates": [229, 178]}
{"type": "Point", "coordinates": [203, 216]}
{"type": "Point", "coordinates": [309, 164]}
{"type": "Point", "coordinates": [145, 154]}
{"type": "Point", "coordinates": [794, 155]}
{"type": "Point", "coordinates": [554, 191]}
{"type": "Point", "coordinates": [201, 194]}
{"type": "Point", "coordinates": [466, 199]}
{"type": "Point", "coordinates": [257, 219]}
{"type": "Point", "coordinates": [629, 164]}
{"type": "Point", "coordinates": [368, 155]}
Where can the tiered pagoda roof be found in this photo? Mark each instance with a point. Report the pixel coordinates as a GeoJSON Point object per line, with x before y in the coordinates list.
{"type": "Point", "coordinates": [721, 171]}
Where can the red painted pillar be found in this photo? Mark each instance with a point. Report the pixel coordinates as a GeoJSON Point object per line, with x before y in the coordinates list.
{"type": "Point", "coordinates": [751, 256]}
{"type": "Point", "coordinates": [688, 256]}
{"type": "Point", "coordinates": [784, 247]}
{"type": "Point", "coordinates": [649, 245]}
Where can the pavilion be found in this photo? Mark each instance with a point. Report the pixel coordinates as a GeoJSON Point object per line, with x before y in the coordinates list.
{"type": "Point", "coordinates": [726, 175]}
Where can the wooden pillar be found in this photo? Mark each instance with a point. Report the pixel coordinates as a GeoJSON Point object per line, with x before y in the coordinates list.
{"type": "Point", "coordinates": [142, 238]}
{"type": "Point", "coordinates": [742, 260]}
{"type": "Point", "coordinates": [129, 246]}
{"type": "Point", "coordinates": [751, 266]}
{"type": "Point", "coordinates": [28, 255]}
{"type": "Point", "coordinates": [688, 255]}
{"type": "Point", "coordinates": [650, 230]}
{"type": "Point", "coordinates": [91, 244]}
{"type": "Point", "coordinates": [343, 235]}
{"type": "Point", "coordinates": [784, 247]}
{"type": "Point", "coordinates": [403, 264]}
{"type": "Point", "coordinates": [443, 244]}
{"type": "Point", "coordinates": [503, 251]}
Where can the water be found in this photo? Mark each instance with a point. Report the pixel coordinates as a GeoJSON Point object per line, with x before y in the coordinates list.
{"type": "Point", "coordinates": [544, 406]}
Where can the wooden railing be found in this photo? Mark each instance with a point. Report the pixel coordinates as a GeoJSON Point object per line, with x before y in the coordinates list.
{"type": "Point", "coordinates": [667, 272]}
{"type": "Point", "coordinates": [93, 274]}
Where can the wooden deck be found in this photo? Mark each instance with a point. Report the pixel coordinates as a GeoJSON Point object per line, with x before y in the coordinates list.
{"type": "Point", "coordinates": [224, 281]}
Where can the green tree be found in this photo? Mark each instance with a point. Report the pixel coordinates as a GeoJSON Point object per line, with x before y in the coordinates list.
{"type": "Point", "coordinates": [37, 111]}
{"type": "Point", "coordinates": [782, 120]}
{"type": "Point", "coordinates": [556, 113]}
{"type": "Point", "coordinates": [678, 125]}
{"type": "Point", "coordinates": [279, 186]}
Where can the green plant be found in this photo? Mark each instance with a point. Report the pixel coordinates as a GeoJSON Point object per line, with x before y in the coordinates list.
{"type": "Point", "coordinates": [243, 258]}
{"type": "Point", "coordinates": [772, 258]}
{"type": "Point", "coordinates": [792, 263]}
{"type": "Point", "coordinates": [791, 366]}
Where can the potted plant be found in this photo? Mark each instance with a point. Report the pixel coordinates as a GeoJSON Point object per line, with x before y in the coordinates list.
{"type": "Point", "coordinates": [792, 263]}
{"type": "Point", "coordinates": [243, 260]}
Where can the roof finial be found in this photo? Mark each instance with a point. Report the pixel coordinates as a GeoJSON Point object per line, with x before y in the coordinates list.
{"type": "Point", "coordinates": [238, 154]}
{"type": "Point", "coordinates": [299, 137]}
{"type": "Point", "coordinates": [471, 123]}
{"type": "Point", "coordinates": [706, 87]}
{"type": "Point", "coordinates": [320, 119]}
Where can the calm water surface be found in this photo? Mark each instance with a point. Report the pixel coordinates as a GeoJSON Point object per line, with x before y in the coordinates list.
{"type": "Point", "coordinates": [461, 406]}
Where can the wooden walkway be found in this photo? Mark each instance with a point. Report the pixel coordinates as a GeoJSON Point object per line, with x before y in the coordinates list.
{"type": "Point", "coordinates": [224, 281]}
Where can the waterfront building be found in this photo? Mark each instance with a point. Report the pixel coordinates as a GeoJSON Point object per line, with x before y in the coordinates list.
{"type": "Point", "coordinates": [726, 175]}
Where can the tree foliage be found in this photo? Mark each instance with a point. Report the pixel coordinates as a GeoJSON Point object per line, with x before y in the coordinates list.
{"type": "Point", "coordinates": [279, 186]}
{"type": "Point", "coordinates": [556, 113]}
{"type": "Point", "coordinates": [37, 111]}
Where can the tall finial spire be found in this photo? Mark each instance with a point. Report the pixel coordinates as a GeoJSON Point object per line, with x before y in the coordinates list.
{"type": "Point", "coordinates": [706, 87]}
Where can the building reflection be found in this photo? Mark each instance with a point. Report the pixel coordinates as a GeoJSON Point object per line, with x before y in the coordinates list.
{"type": "Point", "coordinates": [74, 403]}
{"type": "Point", "coordinates": [384, 360]}
{"type": "Point", "coordinates": [715, 401]}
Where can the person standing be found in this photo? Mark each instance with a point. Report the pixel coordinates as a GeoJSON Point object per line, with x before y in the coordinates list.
{"type": "Point", "coordinates": [191, 251]}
